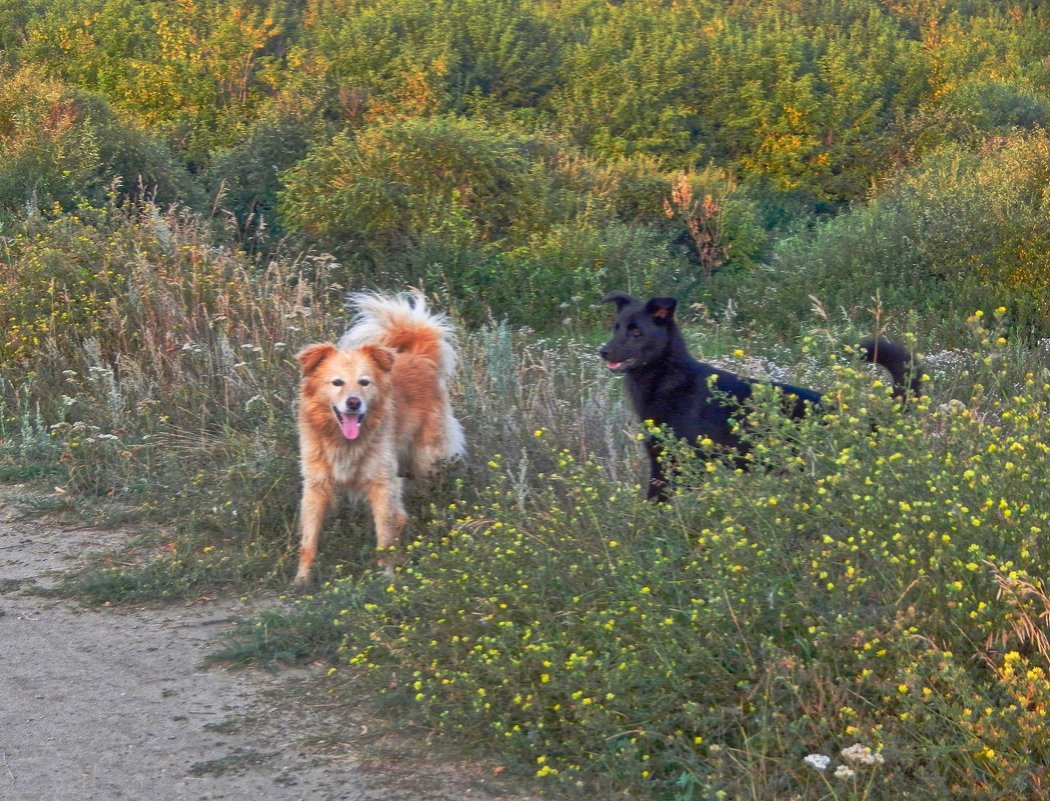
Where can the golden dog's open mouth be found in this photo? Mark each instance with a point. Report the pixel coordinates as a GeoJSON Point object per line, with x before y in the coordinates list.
{"type": "Point", "coordinates": [350, 424]}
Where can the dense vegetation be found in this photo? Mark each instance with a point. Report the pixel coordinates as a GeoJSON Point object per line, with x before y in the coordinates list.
{"type": "Point", "coordinates": [188, 189]}
{"type": "Point", "coordinates": [528, 150]}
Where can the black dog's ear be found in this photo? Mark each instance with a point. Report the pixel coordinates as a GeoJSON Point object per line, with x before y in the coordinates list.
{"type": "Point", "coordinates": [661, 309]}
{"type": "Point", "coordinates": [621, 299]}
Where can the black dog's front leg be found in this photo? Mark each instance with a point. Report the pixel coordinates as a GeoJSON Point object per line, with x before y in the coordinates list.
{"type": "Point", "coordinates": [658, 487]}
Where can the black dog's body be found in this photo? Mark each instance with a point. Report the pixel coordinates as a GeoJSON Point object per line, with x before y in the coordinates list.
{"type": "Point", "coordinates": [695, 400]}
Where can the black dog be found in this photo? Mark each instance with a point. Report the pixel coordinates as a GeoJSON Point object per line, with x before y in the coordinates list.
{"type": "Point", "coordinates": [695, 400]}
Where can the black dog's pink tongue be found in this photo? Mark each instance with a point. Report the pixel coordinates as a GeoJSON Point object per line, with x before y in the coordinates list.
{"type": "Point", "coordinates": [351, 425]}
{"type": "Point", "coordinates": [614, 365]}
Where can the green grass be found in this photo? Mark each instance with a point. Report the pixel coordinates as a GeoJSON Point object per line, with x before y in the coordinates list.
{"type": "Point", "coordinates": [881, 586]}
{"type": "Point", "coordinates": [188, 567]}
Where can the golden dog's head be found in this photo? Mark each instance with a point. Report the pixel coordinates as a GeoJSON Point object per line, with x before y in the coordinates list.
{"type": "Point", "coordinates": [344, 384]}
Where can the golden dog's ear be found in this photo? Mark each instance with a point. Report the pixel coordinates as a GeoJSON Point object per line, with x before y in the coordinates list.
{"type": "Point", "coordinates": [311, 356]}
{"type": "Point", "coordinates": [383, 357]}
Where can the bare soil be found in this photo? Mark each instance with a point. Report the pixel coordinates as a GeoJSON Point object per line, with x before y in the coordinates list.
{"type": "Point", "coordinates": [101, 704]}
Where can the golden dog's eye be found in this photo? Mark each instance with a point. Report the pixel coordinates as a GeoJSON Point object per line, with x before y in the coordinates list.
{"type": "Point", "coordinates": [364, 382]}
{"type": "Point", "coordinates": [337, 382]}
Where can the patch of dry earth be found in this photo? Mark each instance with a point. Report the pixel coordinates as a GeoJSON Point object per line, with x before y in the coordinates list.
{"type": "Point", "coordinates": [109, 704]}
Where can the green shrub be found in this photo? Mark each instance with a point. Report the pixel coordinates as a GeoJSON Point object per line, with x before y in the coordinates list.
{"type": "Point", "coordinates": [245, 178]}
{"type": "Point", "coordinates": [398, 180]}
{"type": "Point", "coordinates": [553, 281]}
{"type": "Point", "coordinates": [49, 153]}
{"type": "Point", "coordinates": [513, 227]}
{"type": "Point", "coordinates": [431, 57]}
{"type": "Point", "coordinates": [965, 226]}
{"type": "Point", "coordinates": [193, 73]}
{"type": "Point", "coordinates": [61, 146]}
{"type": "Point", "coordinates": [631, 83]}
{"type": "Point", "coordinates": [990, 105]}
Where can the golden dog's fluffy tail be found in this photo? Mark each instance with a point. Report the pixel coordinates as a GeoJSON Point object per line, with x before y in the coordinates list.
{"type": "Point", "coordinates": [402, 322]}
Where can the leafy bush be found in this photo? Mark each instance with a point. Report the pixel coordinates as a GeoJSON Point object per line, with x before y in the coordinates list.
{"type": "Point", "coordinates": [631, 84]}
{"type": "Point", "coordinates": [965, 226]}
{"type": "Point", "coordinates": [991, 105]}
{"type": "Point", "coordinates": [818, 102]}
{"type": "Point", "coordinates": [49, 153]}
{"type": "Point", "coordinates": [61, 145]}
{"type": "Point", "coordinates": [432, 57]}
{"type": "Point", "coordinates": [510, 226]}
{"type": "Point", "coordinates": [244, 179]}
{"type": "Point", "coordinates": [553, 281]}
{"type": "Point", "coordinates": [397, 181]}
{"type": "Point", "coordinates": [193, 74]}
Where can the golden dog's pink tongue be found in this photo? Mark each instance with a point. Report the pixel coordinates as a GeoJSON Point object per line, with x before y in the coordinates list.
{"type": "Point", "coordinates": [351, 425]}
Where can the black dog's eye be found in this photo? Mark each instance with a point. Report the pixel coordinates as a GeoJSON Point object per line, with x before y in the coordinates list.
{"type": "Point", "coordinates": [364, 382]}
{"type": "Point", "coordinates": [337, 382]}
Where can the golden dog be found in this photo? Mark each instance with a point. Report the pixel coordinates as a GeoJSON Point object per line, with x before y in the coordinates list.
{"type": "Point", "coordinates": [374, 403]}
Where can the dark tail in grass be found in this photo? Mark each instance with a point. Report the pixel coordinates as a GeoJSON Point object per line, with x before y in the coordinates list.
{"type": "Point", "coordinates": [897, 359]}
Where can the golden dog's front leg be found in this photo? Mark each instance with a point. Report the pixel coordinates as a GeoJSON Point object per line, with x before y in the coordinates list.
{"type": "Point", "coordinates": [318, 497]}
{"type": "Point", "coordinates": [384, 497]}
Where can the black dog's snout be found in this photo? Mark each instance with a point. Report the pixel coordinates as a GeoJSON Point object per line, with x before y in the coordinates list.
{"type": "Point", "coordinates": [603, 351]}
{"type": "Point", "coordinates": [353, 403]}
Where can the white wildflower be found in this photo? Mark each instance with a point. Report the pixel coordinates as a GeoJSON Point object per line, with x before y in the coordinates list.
{"type": "Point", "coordinates": [818, 761]}
{"type": "Point", "coordinates": [862, 755]}
{"type": "Point", "coordinates": [843, 772]}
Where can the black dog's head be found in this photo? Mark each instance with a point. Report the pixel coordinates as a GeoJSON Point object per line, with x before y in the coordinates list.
{"type": "Point", "coordinates": [642, 331]}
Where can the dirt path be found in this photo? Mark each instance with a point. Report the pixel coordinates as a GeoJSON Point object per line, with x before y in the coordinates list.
{"type": "Point", "coordinates": [103, 704]}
